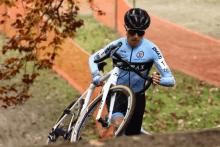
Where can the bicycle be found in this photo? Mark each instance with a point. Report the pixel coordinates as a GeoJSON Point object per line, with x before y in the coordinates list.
{"type": "Point", "coordinates": [83, 111]}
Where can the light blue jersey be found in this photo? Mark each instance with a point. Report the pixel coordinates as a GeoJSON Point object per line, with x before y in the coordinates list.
{"type": "Point", "coordinates": [142, 58]}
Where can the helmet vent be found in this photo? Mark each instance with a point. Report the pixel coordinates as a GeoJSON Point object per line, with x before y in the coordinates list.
{"type": "Point", "coordinates": [137, 19]}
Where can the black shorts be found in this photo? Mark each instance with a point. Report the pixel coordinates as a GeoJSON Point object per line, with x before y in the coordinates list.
{"type": "Point", "coordinates": [134, 126]}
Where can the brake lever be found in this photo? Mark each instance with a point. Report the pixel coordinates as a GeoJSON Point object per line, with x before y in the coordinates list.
{"type": "Point", "coordinates": [113, 52]}
{"type": "Point", "coordinates": [153, 87]}
{"type": "Point", "coordinates": [119, 44]}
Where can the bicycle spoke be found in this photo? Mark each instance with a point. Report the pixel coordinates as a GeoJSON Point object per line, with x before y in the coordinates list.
{"type": "Point", "coordinates": [124, 103]}
{"type": "Point", "coordinates": [61, 132]}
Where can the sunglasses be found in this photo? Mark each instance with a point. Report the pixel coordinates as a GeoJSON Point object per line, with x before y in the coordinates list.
{"type": "Point", "coordinates": [133, 32]}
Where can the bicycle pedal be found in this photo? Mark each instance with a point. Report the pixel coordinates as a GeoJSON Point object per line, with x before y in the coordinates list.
{"type": "Point", "coordinates": [59, 132]}
{"type": "Point", "coordinates": [67, 136]}
{"type": "Point", "coordinates": [79, 138]}
{"type": "Point", "coordinates": [51, 138]}
{"type": "Point", "coordinates": [103, 122]}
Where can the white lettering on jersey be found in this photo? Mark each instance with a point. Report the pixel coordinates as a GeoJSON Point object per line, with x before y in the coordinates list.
{"type": "Point", "coordinates": [162, 63]}
{"type": "Point", "coordinates": [102, 53]}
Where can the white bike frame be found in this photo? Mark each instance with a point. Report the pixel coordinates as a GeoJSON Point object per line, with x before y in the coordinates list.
{"type": "Point", "coordinates": [112, 77]}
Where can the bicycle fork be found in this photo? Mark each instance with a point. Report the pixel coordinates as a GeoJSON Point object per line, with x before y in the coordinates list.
{"type": "Point", "coordinates": [111, 82]}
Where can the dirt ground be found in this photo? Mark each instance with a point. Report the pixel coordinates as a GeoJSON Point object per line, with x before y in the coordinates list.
{"type": "Point", "coordinates": [22, 127]}
{"type": "Point", "coordinates": [26, 130]}
{"type": "Point", "coordinates": [205, 138]}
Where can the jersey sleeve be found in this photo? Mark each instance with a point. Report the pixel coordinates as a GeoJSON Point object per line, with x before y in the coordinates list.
{"type": "Point", "coordinates": [94, 66]}
{"type": "Point", "coordinates": [167, 78]}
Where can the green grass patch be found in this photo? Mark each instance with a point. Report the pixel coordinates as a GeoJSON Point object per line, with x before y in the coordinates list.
{"type": "Point", "coordinates": [94, 36]}
{"type": "Point", "coordinates": [190, 105]}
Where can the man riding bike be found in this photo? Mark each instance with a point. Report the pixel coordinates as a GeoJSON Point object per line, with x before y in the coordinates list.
{"type": "Point", "coordinates": [142, 54]}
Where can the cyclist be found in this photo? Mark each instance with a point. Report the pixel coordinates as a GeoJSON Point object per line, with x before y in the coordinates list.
{"type": "Point", "coordinates": [142, 54]}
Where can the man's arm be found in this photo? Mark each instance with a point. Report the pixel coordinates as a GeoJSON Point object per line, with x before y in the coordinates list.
{"type": "Point", "coordinates": [96, 76]}
{"type": "Point", "coordinates": [94, 66]}
{"type": "Point", "coordinates": [167, 78]}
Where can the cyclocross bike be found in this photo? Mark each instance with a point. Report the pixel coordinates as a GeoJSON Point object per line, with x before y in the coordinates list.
{"type": "Point", "coordinates": [76, 121]}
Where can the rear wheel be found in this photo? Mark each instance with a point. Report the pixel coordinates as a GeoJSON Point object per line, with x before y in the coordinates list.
{"type": "Point", "coordinates": [61, 134]}
{"type": "Point", "coordinates": [87, 128]}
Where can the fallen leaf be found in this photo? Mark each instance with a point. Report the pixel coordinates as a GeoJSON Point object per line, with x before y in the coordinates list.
{"type": "Point", "coordinates": [136, 138]}
{"type": "Point", "coordinates": [34, 122]}
{"type": "Point", "coordinates": [180, 121]}
{"type": "Point", "coordinates": [217, 121]}
{"type": "Point", "coordinates": [174, 87]}
{"type": "Point", "coordinates": [173, 97]}
{"type": "Point", "coordinates": [213, 89]}
{"type": "Point", "coordinates": [215, 103]}
{"type": "Point", "coordinates": [198, 120]}
{"type": "Point", "coordinates": [202, 83]}
{"type": "Point", "coordinates": [189, 122]}
{"type": "Point", "coordinates": [96, 143]}
{"type": "Point", "coordinates": [166, 89]}
{"type": "Point", "coordinates": [48, 98]}
{"type": "Point", "coordinates": [189, 112]}
{"type": "Point", "coordinates": [189, 87]}
{"type": "Point", "coordinates": [210, 100]}
{"type": "Point", "coordinates": [218, 126]}
{"type": "Point", "coordinates": [56, 110]}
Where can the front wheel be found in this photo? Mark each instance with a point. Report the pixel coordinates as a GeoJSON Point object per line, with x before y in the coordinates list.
{"type": "Point", "coordinates": [87, 128]}
{"type": "Point", "coordinates": [61, 131]}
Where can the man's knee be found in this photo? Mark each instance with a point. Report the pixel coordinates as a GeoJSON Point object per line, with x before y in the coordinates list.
{"type": "Point", "coordinates": [117, 118]}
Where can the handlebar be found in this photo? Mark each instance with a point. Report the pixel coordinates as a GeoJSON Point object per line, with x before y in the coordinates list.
{"type": "Point", "coordinates": [148, 78]}
{"type": "Point", "coordinates": [112, 51]}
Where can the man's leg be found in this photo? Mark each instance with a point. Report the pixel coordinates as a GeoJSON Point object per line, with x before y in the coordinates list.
{"type": "Point", "coordinates": [120, 107]}
{"type": "Point", "coordinates": [134, 127]}
{"type": "Point", "coordinates": [117, 119]}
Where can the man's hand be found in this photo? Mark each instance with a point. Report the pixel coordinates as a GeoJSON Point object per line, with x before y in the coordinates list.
{"type": "Point", "coordinates": [100, 84]}
{"type": "Point", "coordinates": [156, 78]}
{"type": "Point", "coordinates": [96, 80]}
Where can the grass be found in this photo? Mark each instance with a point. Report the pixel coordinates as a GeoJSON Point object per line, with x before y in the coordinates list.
{"type": "Point", "coordinates": [190, 105]}
{"type": "Point", "coordinates": [95, 36]}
